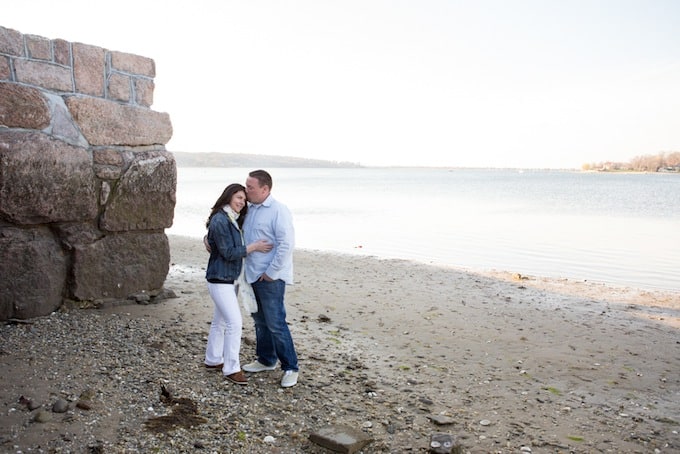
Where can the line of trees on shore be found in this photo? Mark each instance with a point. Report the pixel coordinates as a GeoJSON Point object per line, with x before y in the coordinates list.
{"type": "Point", "coordinates": [214, 159]}
{"type": "Point", "coordinates": [661, 162]}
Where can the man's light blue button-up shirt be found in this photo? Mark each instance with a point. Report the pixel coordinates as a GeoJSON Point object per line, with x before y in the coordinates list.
{"type": "Point", "coordinates": [271, 221]}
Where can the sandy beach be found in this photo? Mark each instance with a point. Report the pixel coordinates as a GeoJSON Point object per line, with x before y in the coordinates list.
{"type": "Point", "coordinates": [398, 350]}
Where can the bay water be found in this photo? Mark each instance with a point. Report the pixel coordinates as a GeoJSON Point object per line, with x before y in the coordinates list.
{"type": "Point", "coordinates": [620, 229]}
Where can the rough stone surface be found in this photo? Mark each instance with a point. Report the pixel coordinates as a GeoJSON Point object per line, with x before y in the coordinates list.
{"type": "Point", "coordinates": [144, 91]}
{"type": "Point", "coordinates": [145, 195]}
{"type": "Point", "coordinates": [43, 74]}
{"type": "Point", "coordinates": [441, 420]}
{"type": "Point", "coordinates": [5, 73]}
{"type": "Point", "coordinates": [108, 156]}
{"type": "Point", "coordinates": [133, 64]}
{"type": "Point", "coordinates": [62, 125]}
{"type": "Point", "coordinates": [105, 192]}
{"type": "Point", "coordinates": [120, 265]}
{"type": "Point", "coordinates": [105, 123]}
{"type": "Point", "coordinates": [106, 172]}
{"type": "Point", "coordinates": [11, 42]}
{"type": "Point", "coordinates": [340, 438]}
{"type": "Point", "coordinates": [62, 52]}
{"type": "Point", "coordinates": [77, 233]}
{"type": "Point", "coordinates": [23, 107]}
{"type": "Point", "coordinates": [119, 87]}
{"type": "Point", "coordinates": [86, 185]}
{"type": "Point", "coordinates": [89, 69]}
{"type": "Point", "coordinates": [39, 47]}
{"type": "Point", "coordinates": [43, 180]}
{"type": "Point", "coordinates": [33, 270]}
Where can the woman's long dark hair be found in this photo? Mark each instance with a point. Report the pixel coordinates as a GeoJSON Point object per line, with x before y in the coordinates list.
{"type": "Point", "coordinates": [224, 199]}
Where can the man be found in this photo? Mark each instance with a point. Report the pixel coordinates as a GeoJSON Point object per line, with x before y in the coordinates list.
{"type": "Point", "coordinates": [269, 272]}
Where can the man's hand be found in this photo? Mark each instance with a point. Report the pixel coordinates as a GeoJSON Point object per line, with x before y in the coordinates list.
{"type": "Point", "coordinates": [259, 246]}
{"type": "Point", "coordinates": [207, 245]}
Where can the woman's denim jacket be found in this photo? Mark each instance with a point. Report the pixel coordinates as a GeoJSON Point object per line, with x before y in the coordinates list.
{"type": "Point", "coordinates": [226, 249]}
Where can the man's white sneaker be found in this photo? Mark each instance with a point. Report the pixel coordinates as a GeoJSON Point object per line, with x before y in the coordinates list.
{"type": "Point", "coordinates": [257, 366]}
{"type": "Point", "coordinates": [290, 378]}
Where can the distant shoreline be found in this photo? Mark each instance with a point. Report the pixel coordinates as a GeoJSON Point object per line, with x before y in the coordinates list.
{"type": "Point", "coordinates": [186, 159]}
{"type": "Point", "coordinates": [243, 160]}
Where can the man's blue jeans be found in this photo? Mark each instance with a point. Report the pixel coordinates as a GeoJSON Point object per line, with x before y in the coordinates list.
{"type": "Point", "coordinates": [271, 330]}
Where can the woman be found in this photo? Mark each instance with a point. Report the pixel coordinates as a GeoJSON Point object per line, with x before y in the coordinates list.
{"type": "Point", "coordinates": [227, 251]}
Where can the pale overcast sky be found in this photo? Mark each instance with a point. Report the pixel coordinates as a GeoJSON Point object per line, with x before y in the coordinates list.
{"type": "Point", "coordinates": [475, 83]}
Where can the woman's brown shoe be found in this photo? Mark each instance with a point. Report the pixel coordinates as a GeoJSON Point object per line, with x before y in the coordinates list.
{"type": "Point", "coordinates": [216, 366]}
{"type": "Point", "coordinates": [237, 377]}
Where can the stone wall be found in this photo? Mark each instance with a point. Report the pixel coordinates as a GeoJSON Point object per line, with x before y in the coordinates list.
{"type": "Point", "coordinates": [86, 184]}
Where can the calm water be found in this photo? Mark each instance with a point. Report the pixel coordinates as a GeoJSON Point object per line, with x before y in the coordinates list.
{"type": "Point", "coordinates": [621, 229]}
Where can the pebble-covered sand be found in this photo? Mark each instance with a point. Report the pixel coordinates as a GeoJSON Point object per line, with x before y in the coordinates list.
{"type": "Point", "coordinates": [397, 350]}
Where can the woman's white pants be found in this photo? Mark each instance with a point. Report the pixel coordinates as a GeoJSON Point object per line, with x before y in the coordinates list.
{"type": "Point", "coordinates": [224, 338]}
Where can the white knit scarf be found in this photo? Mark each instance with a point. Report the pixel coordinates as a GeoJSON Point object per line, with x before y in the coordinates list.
{"type": "Point", "coordinates": [233, 216]}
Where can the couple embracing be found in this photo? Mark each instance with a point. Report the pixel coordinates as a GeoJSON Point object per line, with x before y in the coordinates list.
{"type": "Point", "coordinates": [250, 236]}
